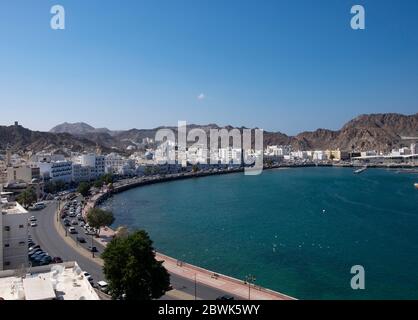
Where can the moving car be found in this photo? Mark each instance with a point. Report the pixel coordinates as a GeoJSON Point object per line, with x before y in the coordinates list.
{"type": "Point", "coordinates": [225, 297]}
{"type": "Point", "coordinates": [32, 218]}
{"type": "Point", "coordinates": [72, 230]}
{"type": "Point", "coordinates": [81, 240]}
{"type": "Point", "coordinates": [33, 224]}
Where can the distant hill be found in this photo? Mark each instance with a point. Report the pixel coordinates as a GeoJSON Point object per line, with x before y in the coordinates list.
{"type": "Point", "coordinates": [381, 132]}
{"type": "Point", "coordinates": [78, 128]}
{"type": "Point", "coordinates": [20, 139]}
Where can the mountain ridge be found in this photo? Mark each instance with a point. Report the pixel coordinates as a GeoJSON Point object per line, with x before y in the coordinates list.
{"type": "Point", "coordinates": [380, 132]}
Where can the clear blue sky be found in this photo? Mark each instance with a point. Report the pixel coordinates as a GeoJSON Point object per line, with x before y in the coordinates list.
{"type": "Point", "coordinates": [280, 65]}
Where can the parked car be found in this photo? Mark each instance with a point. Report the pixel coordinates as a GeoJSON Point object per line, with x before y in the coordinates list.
{"type": "Point", "coordinates": [67, 224]}
{"type": "Point", "coordinates": [34, 247]}
{"type": "Point", "coordinates": [57, 260]}
{"type": "Point", "coordinates": [34, 252]}
{"type": "Point", "coordinates": [103, 286]}
{"type": "Point", "coordinates": [45, 260]}
{"type": "Point", "coordinates": [72, 230]}
{"type": "Point", "coordinates": [74, 222]}
{"type": "Point", "coordinates": [88, 277]}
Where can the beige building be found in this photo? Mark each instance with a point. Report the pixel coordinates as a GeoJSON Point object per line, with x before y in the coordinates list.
{"type": "Point", "coordinates": [13, 235]}
{"type": "Point", "coordinates": [23, 173]}
{"type": "Point", "coordinates": [337, 155]}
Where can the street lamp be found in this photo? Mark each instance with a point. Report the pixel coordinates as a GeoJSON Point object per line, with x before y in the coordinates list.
{"type": "Point", "coordinates": [250, 279]}
{"type": "Point", "coordinates": [92, 251]}
{"type": "Point", "coordinates": [195, 287]}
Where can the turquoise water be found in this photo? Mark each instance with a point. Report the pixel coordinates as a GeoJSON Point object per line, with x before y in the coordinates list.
{"type": "Point", "coordinates": [274, 226]}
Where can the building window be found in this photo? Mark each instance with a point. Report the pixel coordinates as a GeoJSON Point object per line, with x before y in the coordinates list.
{"type": "Point", "coordinates": [20, 226]}
{"type": "Point", "coordinates": [7, 228]}
{"type": "Point", "coordinates": [7, 263]}
{"type": "Point", "coordinates": [7, 245]}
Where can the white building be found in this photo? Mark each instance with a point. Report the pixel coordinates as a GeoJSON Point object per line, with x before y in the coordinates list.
{"type": "Point", "coordinates": [64, 281]}
{"type": "Point", "coordinates": [414, 148]}
{"type": "Point", "coordinates": [116, 164]}
{"type": "Point", "coordinates": [56, 170]}
{"type": "Point", "coordinates": [230, 155]}
{"type": "Point", "coordinates": [95, 162]}
{"type": "Point", "coordinates": [13, 236]}
{"type": "Point", "coordinates": [319, 155]}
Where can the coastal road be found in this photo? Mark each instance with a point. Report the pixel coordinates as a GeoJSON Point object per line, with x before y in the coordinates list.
{"type": "Point", "coordinates": [46, 235]}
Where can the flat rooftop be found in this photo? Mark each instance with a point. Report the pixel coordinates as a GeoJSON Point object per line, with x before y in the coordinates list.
{"type": "Point", "coordinates": [12, 208]}
{"type": "Point", "coordinates": [62, 281]}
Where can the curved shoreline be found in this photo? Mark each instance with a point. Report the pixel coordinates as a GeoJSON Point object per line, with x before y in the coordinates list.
{"type": "Point", "coordinates": [128, 184]}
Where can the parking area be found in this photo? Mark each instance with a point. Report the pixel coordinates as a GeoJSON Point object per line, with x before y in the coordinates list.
{"type": "Point", "coordinates": [77, 227]}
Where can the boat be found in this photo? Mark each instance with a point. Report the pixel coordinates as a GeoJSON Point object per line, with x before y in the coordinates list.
{"type": "Point", "coordinates": [416, 185]}
{"type": "Point", "coordinates": [360, 170]}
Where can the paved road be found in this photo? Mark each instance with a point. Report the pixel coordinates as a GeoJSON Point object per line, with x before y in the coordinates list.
{"type": "Point", "coordinates": [46, 235]}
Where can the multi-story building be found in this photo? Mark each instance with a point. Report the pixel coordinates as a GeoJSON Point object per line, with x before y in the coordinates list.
{"type": "Point", "coordinates": [82, 173]}
{"type": "Point", "coordinates": [95, 162]}
{"type": "Point", "coordinates": [414, 148]}
{"type": "Point", "coordinates": [57, 170]}
{"type": "Point", "coordinates": [114, 163]}
{"type": "Point", "coordinates": [23, 173]}
{"type": "Point", "coordinates": [337, 155]}
{"type": "Point", "coordinates": [13, 235]}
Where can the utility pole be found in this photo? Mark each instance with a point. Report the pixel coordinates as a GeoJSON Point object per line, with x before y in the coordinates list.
{"type": "Point", "coordinates": [92, 245]}
{"type": "Point", "coordinates": [249, 279]}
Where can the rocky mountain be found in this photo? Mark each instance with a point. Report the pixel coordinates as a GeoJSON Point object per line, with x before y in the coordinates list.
{"type": "Point", "coordinates": [78, 129]}
{"type": "Point", "coordinates": [20, 139]}
{"type": "Point", "coordinates": [380, 132]}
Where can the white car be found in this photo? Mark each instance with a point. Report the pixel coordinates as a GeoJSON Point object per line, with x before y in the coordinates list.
{"type": "Point", "coordinates": [33, 224]}
{"type": "Point", "coordinates": [72, 230]}
{"type": "Point", "coordinates": [32, 219]}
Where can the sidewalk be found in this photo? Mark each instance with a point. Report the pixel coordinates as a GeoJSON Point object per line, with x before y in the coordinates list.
{"type": "Point", "coordinates": [228, 284]}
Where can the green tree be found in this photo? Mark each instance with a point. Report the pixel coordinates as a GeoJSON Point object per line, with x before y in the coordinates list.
{"type": "Point", "coordinates": [107, 178]}
{"type": "Point", "coordinates": [83, 188]}
{"type": "Point", "coordinates": [98, 218]}
{"type": "Point", "coordinates": [131, 269]}
{"type": "Point", "coordinates": [27, 197]}
{"type": "Point", "coordinates": [98, 184]}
